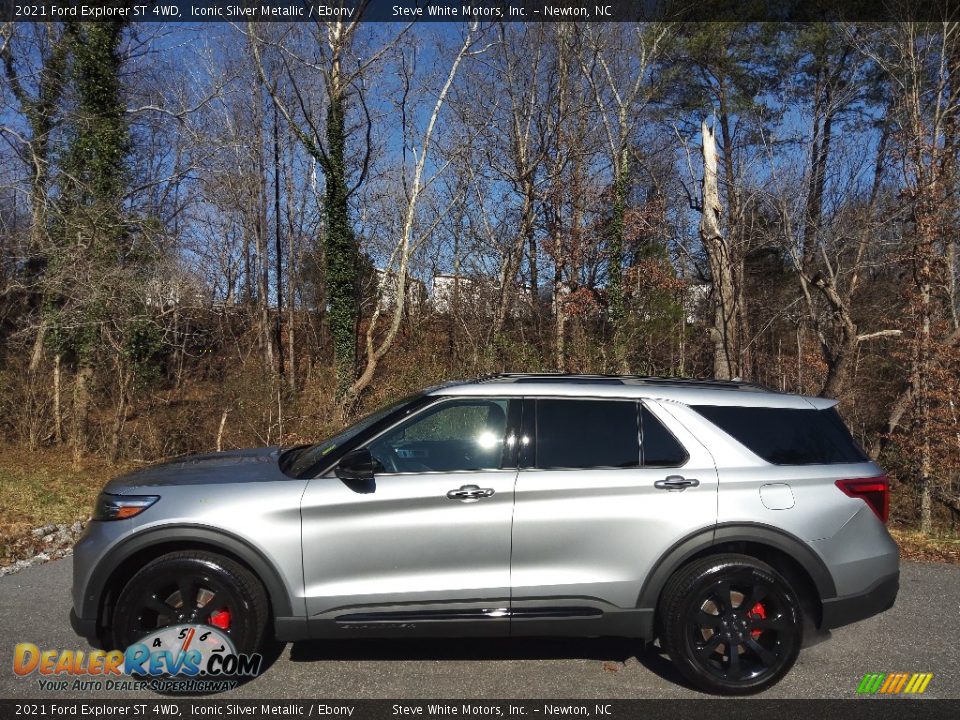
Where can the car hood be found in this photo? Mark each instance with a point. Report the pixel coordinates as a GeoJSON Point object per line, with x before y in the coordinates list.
{"type": "Point", "coordinates": [233, 466]}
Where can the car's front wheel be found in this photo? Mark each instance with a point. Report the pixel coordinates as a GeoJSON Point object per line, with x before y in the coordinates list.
{"type": "Point", "coordinates": [731, 624]}
{"type": "Point", "coordinates": [195, 587]}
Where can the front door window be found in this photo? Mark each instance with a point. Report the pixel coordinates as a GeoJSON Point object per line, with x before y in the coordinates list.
{"type": "Point", "coordinates": [453, 436]}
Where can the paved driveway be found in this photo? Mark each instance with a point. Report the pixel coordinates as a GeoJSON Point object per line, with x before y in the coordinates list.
{"type": "Point", "coordinates": [920, 634]}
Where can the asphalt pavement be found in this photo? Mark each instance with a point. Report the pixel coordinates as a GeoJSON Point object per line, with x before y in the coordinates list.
{"type": "Point", "coordinates": [920, 634]}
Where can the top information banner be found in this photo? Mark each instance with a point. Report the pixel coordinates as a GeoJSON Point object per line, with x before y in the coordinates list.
{"type": "Point", "coordinates": [481, 10]}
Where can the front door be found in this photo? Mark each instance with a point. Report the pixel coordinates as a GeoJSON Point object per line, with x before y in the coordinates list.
{"type": "Point", "coordinates": [427, 542]}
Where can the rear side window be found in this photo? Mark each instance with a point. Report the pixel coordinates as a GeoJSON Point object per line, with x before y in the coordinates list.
{"type": "Point", "coordinates": [785, 436]}
{"type": "Point", "coordinates": [660, 447]}
{"type": "Point", "coordinates": [587, 434]}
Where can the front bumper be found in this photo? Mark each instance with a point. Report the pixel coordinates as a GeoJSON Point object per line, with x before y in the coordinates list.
{"type": "Point", "coordinates": [850, 608]}
{"type": "Point", "coordinates": [84, 627]}
{"type": "Point", "coordinates": [90, 571]}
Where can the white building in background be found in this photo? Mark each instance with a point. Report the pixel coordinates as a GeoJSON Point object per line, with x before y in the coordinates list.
{"type": "Point", "coordinates": [480, 295]}
{"type": "Point", "coordinates": [445, 289]}
{"type": "Point", "coordinates": [476, 295]}
{"type": "Point", "coordinates": [415, 291]}
{"type": "Point", "coordinates": [176, 286]}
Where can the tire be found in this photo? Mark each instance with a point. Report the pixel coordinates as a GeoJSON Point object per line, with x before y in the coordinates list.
{"type": "Point", "coordinates": [717, 601]}
{"type": "Point", "coordinates": [205, 577]}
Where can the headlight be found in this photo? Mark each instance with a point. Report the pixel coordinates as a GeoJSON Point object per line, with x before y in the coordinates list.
{"type": "Point", "coordinates": [120, 507]}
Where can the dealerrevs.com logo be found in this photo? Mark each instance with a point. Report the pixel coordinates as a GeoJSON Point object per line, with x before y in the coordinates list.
{"type": "Point", "coordinates": [894, 683]}
{"type": "Point", "coordinates": [179, 658]}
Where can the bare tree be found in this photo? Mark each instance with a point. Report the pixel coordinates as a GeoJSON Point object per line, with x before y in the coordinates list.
{"type": "Point", "coordinates": [410, 234]}
{"type": "Point", "coordinates": [617, 65]}
{"type": "Point", "coordinates": [725, 293]}
{"type": "Point", "coordinates": [921, 62]}
{"type": "Point", "coordinates": [41, 107]}
{"type": "Point", "coordinates": [519, 152]}
{"type": "Point", "coordinates": [327, 51]}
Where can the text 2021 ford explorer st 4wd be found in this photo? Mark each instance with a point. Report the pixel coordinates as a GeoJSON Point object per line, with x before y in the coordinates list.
{"type": "Point", "coordinates": [724, 519]}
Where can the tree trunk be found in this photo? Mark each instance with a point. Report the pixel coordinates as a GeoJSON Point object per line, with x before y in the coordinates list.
{"type": "Point", "coordinates": [840, 352]}
{"type": "Point", "coordinates": [511, 264]}
{"type": "Point", "coordinates": [263, 254]}
{"type": "Point", "coordinates": [615, 262]}
{"type": "Point", "coordinates": [36, 354]}
{"type": "Point", "coordinates": [263, 299]}
{"type": "Point", "coordinates": [292, 274]}
{"type": "Point", "coordinates": [560, 316]}
{"type": "Point", "coordinates": [454, 308]}
{"type": "Point", "coordinates": [952, 296]}
{"type": "Point", "coordinates": [278, 251]}
{"type": "Point", "coordinates": [223, 424]}
{"type": "Point", "coordinates": [508, 279]}
{"type": "Point", "coordinates": [119, 416]}
{"type": "Point", "coordinates": [923, 396]}
{"type": "Point", "coordinates": [340, 247]}
{"type": "Point", "coordinates": [81, 411]}
{"type": "Point", "coordinates": [532, 252]}
{"type": "Point", "coordinates": [737, 322]}
{"type": "Point", "coordinates": [726, 298]}
{"type": "Point", "coordinates": [57, 411]}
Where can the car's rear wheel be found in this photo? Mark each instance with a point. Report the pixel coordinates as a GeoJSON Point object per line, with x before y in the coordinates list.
{"type": "Point", "coordinates": [195, 587]}
{"type": "Point", "coordinates": [731, 624]}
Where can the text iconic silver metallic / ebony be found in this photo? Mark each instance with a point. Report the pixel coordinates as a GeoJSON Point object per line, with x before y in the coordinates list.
{"type": "Point", "coordinates": [729, 522]}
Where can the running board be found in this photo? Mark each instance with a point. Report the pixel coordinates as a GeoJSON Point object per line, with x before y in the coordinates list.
{"type": "Point", "coordinates": [416, 616]}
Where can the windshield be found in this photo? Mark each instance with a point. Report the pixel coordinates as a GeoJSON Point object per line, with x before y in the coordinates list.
{"type": "Point", "coordinates": [301, 461]}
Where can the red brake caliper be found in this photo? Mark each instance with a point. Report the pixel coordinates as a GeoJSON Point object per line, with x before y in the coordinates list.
{"type": "Point", "coordinates": [220, 619]}
{"type": "Point", "coordinates": [757, 611]}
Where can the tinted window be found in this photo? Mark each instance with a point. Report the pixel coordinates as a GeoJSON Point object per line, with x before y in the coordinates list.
{"type": "Point", "coordinates": [787, 437]}
{"type": "Point", "coordinates": [587, 433]}
{"type": "Point", "coordinates": [659, 447]}
{"type": "Point", "coordinates": [451, 436]}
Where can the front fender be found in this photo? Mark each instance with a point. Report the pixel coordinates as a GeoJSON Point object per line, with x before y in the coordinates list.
{"type": "Point", "coordinates": [156, 541]}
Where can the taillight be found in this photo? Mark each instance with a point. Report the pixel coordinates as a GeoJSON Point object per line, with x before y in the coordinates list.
{"type": "Point", "coordinates": [875, 491]}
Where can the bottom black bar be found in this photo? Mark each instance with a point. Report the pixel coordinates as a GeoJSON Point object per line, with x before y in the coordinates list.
{"type": "Point", "coordinates": [873, 708]}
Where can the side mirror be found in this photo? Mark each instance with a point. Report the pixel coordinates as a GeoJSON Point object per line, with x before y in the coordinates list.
{"type": "Point", "coordinates": [356, 465]}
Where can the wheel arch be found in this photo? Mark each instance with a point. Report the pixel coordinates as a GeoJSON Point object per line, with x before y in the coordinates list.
{"type": "Point", "coordinates": [786, 553]}
{"type": "Point", "coordinates": [124, 561]}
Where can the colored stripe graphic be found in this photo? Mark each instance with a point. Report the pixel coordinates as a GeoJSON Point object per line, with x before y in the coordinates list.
{"type": "Point", "coordinates": [919, 682]}
{"type": "Point", "coordinates": [871, 683]}
{"type": "Point", "coordinates": [894, 683]}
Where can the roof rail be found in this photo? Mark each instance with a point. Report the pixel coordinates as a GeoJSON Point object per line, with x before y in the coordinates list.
{"type": "Point", "coordinates": [545, 377]}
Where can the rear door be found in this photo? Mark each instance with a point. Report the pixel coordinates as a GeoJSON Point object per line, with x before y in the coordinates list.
{"type": "Point", "coordinates": [605, 488]}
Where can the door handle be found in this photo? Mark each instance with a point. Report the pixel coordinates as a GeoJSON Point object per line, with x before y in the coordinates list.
{"type": "Point", "coordinates": [675, 482]}
{"type": "Point", "coordinates": [469, 493]}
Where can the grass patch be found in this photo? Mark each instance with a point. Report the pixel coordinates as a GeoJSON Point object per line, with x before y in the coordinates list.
{"type": "Point", "coordinates": [915, 546]}
{"type": "Point", "coordinates": [42, 487]}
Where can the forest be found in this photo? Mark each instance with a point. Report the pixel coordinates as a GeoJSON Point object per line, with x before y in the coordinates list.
{"type": "Point", "coordinates": [221, 235]}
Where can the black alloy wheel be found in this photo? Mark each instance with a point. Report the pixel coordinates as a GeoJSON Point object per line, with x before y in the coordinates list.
{"type": "Point", "coordinates": [194, 587]}
{"type": "Point", "coordinates": [731, 624]}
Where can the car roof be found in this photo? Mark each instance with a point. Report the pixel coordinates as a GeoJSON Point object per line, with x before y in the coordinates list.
{"type": "Point", "coordinates": [689, 391]}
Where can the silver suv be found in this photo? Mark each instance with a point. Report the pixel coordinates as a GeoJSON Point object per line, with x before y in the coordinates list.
{"type": "Point", "coordinates": [728, 521]}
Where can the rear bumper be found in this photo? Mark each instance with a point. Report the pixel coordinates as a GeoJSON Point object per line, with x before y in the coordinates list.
{"type": "Point", "coordinates": [850, 608]}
